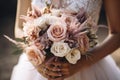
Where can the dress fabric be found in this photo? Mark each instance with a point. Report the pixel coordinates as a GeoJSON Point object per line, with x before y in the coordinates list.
{"type": "Point", "coordinates": [105, 69]}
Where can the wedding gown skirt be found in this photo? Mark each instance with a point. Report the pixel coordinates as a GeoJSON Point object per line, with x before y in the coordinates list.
{"type": "Point", "coordinates": [105, 69]}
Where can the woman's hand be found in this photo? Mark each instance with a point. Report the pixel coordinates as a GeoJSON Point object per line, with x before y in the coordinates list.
{"type": "Point", "coordinates": [55, 69]}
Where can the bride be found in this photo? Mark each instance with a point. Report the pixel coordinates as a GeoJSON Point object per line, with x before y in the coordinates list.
{"type": "Point", "coordinates": [101, 67]}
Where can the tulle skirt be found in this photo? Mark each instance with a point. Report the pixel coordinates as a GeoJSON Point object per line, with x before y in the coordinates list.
{"type": "Point", "coordinates": [105, 69]}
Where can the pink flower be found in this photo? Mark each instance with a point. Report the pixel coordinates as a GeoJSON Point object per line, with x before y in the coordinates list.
{"type": "Point", "coordinates": [31, 31]}
{"type": "Point", "coordinates": [83, 42]}
{"type": "Point", "coordinates": [39, 45]}
{"type": "Point", "coordinates": [74, 25]}
{"type": "Point", "coordinates": [35, 56]}
{"type": "Point", "coordinates": [57, 32]}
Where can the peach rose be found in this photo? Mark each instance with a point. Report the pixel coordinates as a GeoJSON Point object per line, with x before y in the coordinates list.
{"type": "Point", "coordinates": [35, 56]}
{"type": "Point", "coordinates": [57, 31]}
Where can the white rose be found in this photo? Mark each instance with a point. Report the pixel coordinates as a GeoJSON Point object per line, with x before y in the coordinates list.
{"type": "Point", "coordinates": [60, 49]}
{"type": "Point", "coordinates": [73, 56]}
{"type": "Point", "coordinates": [44, 20]}
{"type": "Point", "coordinates": [41, 22]}
{"type": "Point", "coordinates": [35, 56]}
{"type": "Point", "coordinates": [56, 12]}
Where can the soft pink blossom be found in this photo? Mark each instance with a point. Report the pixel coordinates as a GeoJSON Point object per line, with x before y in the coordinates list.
{"type": "Point", "coordinates": [57, 32]}
{"type": "Point", "coordinates": [83, 42]}
{"type": "Point", "coordinates": [35, 55]}
{"type": "Point", "coordinates": [31, 31]}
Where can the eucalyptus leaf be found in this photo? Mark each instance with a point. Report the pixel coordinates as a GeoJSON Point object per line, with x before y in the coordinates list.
{"type": "Point", "coordinates": [17, 52]}
{"type": "Point", "coordinates": [19, 39]}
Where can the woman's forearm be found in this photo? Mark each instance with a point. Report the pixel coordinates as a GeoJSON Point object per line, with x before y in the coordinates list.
{"type": "Point", "coordinates": [22, 6]}
{"type": "Point", "coordinates": [110, 44]}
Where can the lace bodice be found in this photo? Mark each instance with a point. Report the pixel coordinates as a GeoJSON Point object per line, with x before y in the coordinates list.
{"type": "Point", "coordinates": [92, 7]}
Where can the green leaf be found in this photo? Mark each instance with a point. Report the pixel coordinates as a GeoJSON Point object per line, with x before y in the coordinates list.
{"type": "Point", "coordinates": [19, 40]}
{"type": "Point", "coordinates": [17, 52]}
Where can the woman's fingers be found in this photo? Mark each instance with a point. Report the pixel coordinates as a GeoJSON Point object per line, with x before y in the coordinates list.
{"type": "Point", "coordinates": [54, 64]}
{"type": "Point", "coordinates": [65, 72]}
{"type": "Point", "coordinates": [50, 60]}
{"type": "Point", "coordinates": [55, 70]}
{"type": "Point", "coordinates": [53, 73]}
{"type": "Point", "coordinates": [65, 69]}
{"type": "Point", "coordinates": [49, 74]}
{"type": "Point", "coordinates": [60, 78]}
{"type": "Point", "coordinates": [58, 69]}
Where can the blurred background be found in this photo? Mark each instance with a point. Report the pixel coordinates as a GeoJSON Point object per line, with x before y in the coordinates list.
{"type": "Point", "coordinates": [7, 22]}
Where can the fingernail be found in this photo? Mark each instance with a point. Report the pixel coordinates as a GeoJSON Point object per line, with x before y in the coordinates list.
{"type": "Point", "coordinates": [59, 69]}
{"type": "Point", "coordinates": [60, 74]}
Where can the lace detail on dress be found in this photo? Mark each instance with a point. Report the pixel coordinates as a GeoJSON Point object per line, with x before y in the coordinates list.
{"type": "Point", "coordinates": [92, 7]}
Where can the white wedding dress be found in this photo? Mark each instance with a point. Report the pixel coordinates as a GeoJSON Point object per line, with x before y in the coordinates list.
{"type": "Point", "coordinates": [105, 69]}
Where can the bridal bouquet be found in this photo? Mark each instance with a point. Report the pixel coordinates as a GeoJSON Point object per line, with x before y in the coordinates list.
{"type": "Point", "coordinates": [57, 32]}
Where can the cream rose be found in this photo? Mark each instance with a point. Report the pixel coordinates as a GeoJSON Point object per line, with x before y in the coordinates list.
{"type": "Point", "coordinates": [41, 22]}
{"type": "Point", "coordinates": [60, 49]}
{"type": "Point", "coordinates": [57, 31]}
{"type": "Point", "coordinates": [35, 56]}
{"type": "Point", "coordinates": [73, 56]}
{"type": "Point", "coordinates": [45, 20]}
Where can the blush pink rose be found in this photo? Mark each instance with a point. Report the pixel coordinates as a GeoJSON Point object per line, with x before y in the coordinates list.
{"type": "Point", "coordinates": [57, 32]}
{"type": "Point", "coordinates": [83, 42]}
